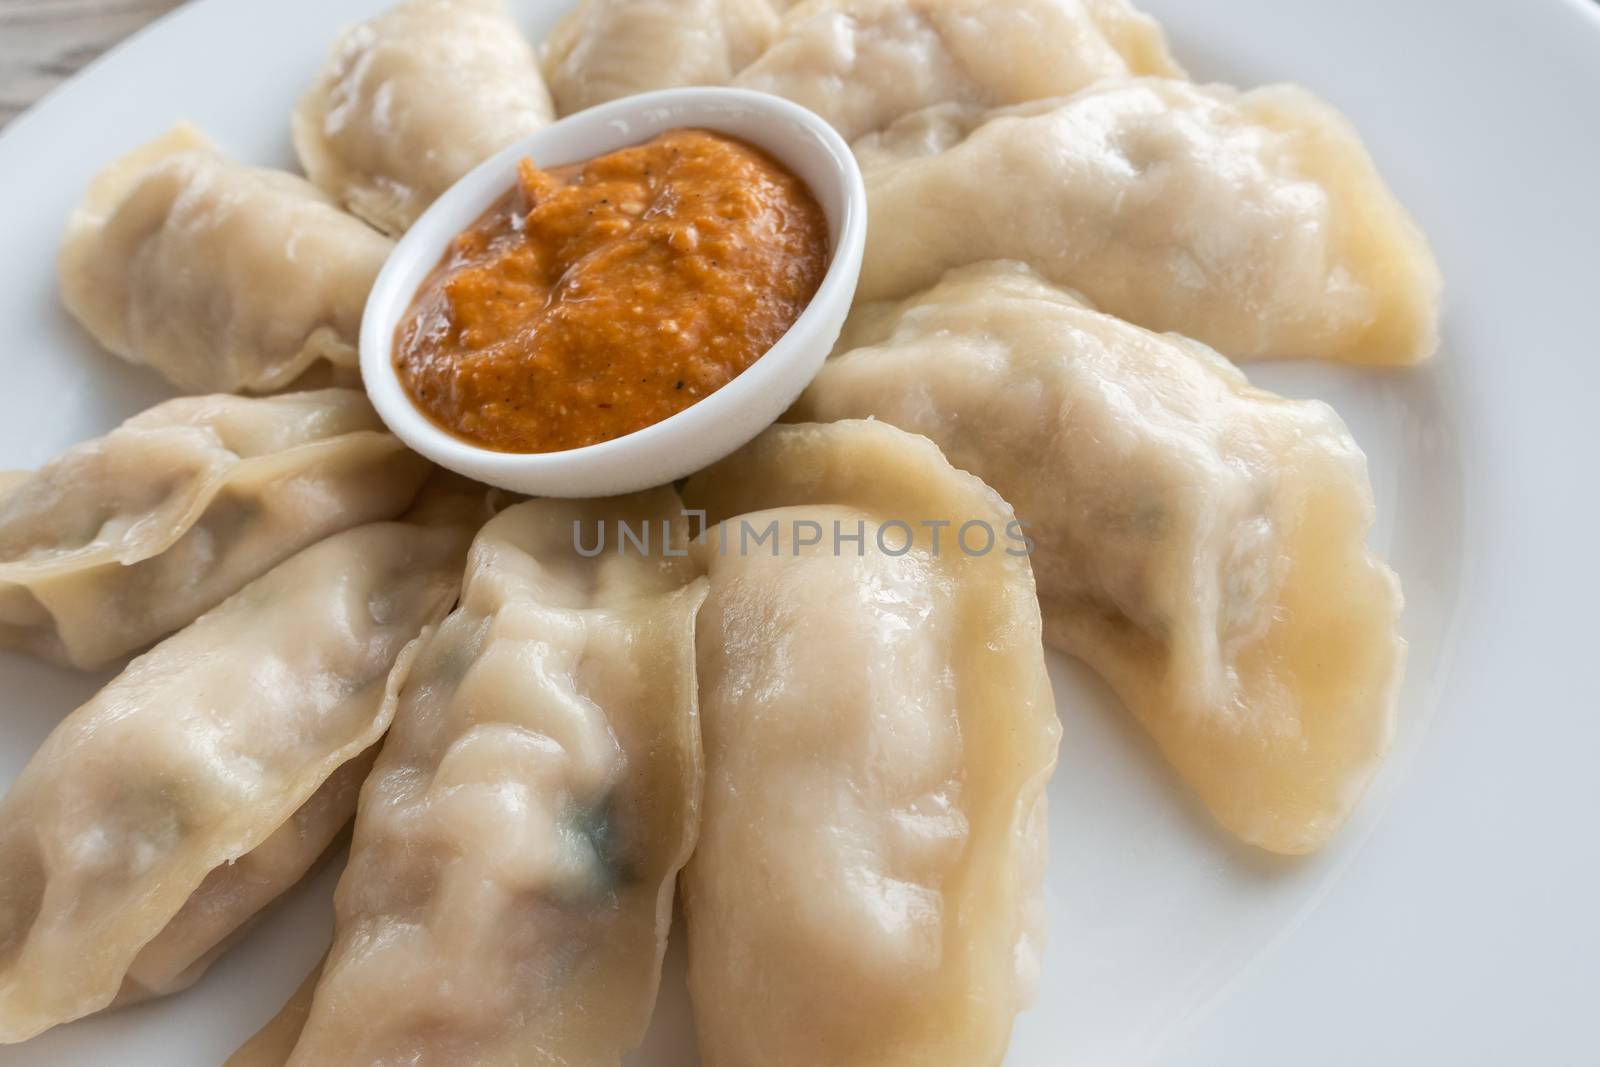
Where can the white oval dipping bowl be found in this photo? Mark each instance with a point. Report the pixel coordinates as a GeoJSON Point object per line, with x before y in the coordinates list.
{"type": "Point", "coordinates": [718, 424]}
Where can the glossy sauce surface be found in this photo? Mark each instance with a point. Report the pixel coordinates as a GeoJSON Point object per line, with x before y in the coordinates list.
{"type": "Point", "coordinates": [600, 298]}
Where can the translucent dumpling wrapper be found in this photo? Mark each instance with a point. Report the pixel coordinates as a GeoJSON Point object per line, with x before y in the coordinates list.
{"type": "Point", "coordinates": [120, 541]}
{"type": "Point", "coordinates": [607, 49]}
{"type": "Point", "coordinates": [1199, 542]}
{"type": "Point", "coordinates": [517, 846]}
{"type": "Point", "coordinates": [206, 778]}
{"type": "Point", "coordinates": [221, 277]}
{"type": "Point", "coordinates": [1253, 221]}
{"type": "Point", "coordinates": [414, 98]}
{"type": "Point", "coordinates": [861, 64]}
{"type": "Point", "coordinates": [879, 732]}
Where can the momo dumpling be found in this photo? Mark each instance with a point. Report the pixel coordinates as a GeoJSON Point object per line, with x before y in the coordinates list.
{"type": "Point", "coordinates": [209, 775]}
{"type": "Point", "coordinates": [861, 64]}
{"type": "Point", "coordinates": [516, 848]}
{"type": "Point", "coordinates": [1198, 542]}
{"type": "Point", "coordinates": [879, 731]}
{"type": "Point", "coordinates": [122, 540]}
{"type": "Point", "coordinates": [411, 100]}
{"type": "Point", "coordinates": [221, 277]}
{"type": "Point", "coordinates": [1252, 221]}
{"type": "Point", "coordinates": [606, 49]}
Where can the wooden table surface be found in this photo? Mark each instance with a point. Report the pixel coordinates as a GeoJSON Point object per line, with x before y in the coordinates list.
{"type": "Point", "coordinates": [43, 42]}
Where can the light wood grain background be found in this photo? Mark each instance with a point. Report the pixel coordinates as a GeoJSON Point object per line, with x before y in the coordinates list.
{"type": "Point", "coordinates": [43, 42]}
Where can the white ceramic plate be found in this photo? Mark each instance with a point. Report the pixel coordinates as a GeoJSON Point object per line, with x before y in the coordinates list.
{"type": "Point", "coordinates": [1455, 921]}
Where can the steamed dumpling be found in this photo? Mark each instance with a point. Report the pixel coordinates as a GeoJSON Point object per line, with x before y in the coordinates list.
{"type": "Point", "coordinates": [511, 878]}
{"type": "Point", "coordinates": [1199, 542]}
{"type": "Point", "coordinates": [413, 99]}
{"type": "Point", "coordinates": [1252, 221]}
{"type": "Point", "coordinates": [223, 278]}
{"type": "Point", "coordinates": [606, 49]}
{"type": "Point", "coordinates": [861, 64]}
{"type": "Point", "coordinates": [122, 540]}
{"type": "Point", "coordinates": [879, 731]}
{"type": "Point", "coordinates": [206, 778]}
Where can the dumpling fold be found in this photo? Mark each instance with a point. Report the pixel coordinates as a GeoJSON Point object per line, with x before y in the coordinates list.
{"type": "Point", "coordinates": [414, 98]}
{"type": "Point", "coordinates": [120, 541]}
{"type": "Point", "coordinates": [606, 49]}
{"type": "Point", "coordinates": [861, 64]}
{"type": "Point", "coordinates": [221, 277]}
{"type": "Point", "coordinates": [517, 846]}
{"type": "Point", "coordinates": [1199, 542]}
{"type": "Point", "coordinates": [208, 776]}
{"type": "Point", "coordinates": [1253, 221]}
{"type": "Point", "coordinates": [879, 732]}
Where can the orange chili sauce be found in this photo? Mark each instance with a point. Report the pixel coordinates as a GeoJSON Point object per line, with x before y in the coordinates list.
{"type": "Point", "coordinates": [597, 299]}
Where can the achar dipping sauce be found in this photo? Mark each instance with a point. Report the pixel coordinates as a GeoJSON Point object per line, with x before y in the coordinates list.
{"type": "Point", "coordinates": [597, 299]}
